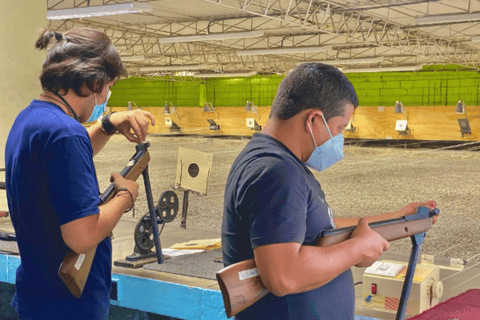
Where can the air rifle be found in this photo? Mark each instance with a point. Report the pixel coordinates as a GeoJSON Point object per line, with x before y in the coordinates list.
{"type": "Point", "coordinates": [75, 267]}
{"type": "Point", "coordinates": [241, 285]}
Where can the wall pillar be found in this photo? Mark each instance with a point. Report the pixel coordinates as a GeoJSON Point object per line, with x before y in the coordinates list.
{"type": "Point", "coordinates": [20, 64]}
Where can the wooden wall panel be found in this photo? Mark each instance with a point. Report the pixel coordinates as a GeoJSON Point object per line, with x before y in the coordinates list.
{"type": "Point", "coordinates": [371, 122]}
{"type": "Point", "coordinates": [425, 123]}
{"type": "Point", "coordinates": [192, 120]}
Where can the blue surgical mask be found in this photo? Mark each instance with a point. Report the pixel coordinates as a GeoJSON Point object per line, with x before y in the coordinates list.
{"type": "Point", "coordinates": [99, 109]}
{"type": "Point", "coordinates": [326, 154]}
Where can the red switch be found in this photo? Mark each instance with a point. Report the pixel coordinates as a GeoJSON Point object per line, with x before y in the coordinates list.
{"type": "Point", "coordinates": [374, 288]}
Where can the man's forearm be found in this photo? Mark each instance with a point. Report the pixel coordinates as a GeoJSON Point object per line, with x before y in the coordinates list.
{"type": "Point", "coordinates": [98, 137]}
{"type": "Point", "coordinates": [288, 268]}
{"type": "Point", "coordinates": [84, 234]}
{"type": "Point", "coordinates": [110, 214]}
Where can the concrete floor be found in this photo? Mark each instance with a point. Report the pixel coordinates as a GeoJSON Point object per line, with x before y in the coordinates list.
{"type": "Point", "coordinates": [367, 181]}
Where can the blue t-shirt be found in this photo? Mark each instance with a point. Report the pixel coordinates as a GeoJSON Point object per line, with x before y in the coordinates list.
{"type": "Point", "coordinates": [272, 197]}
{"type": "Point", "coordinates": [51, 180]}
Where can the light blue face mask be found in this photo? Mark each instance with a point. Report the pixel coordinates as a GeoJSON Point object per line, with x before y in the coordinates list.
{"type": "Point", "coordinates": [99, 109]}
{"type": "Point", "coordinates": [326, 154]}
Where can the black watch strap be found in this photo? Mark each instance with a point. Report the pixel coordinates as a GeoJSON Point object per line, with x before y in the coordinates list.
{"type": "Point", "coordinates": [107, 126]}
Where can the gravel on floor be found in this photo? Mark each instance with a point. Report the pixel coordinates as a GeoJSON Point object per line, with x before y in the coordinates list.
{"type": "Point", "coordinates": [368, 181]}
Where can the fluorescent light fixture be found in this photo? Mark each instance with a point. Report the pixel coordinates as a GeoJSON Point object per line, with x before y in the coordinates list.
{"type": "Point", "coordinates": [173, 68]}
{"type": "Point", "coordinates": [222, 75]}
{"type": "Point", "coordinates": [213, 37]}
{"type": "Point", "coordinates": [475, 39]}
{"type": "Point", "coordinates": [446, 18]}
{"type": "Point", "coordinates": [291, 50]}
{"type": "Point", "coordinates": [385, 69]}
{"type": "Point", "coordinates": [184, 74]}
{"type": "Point", "coordinates": [132, 58]}
{"type": "Point", "coordinates": [347, 61]}
{"type": "Point", "coordinates": [98, 11]}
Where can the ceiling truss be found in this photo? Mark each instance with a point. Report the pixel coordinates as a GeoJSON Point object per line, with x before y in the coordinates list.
{"type": "Point", "coordinates": [286, 23]}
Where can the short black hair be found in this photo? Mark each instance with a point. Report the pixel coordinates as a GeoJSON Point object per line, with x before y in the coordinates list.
{"type": "Point", "coordinates": [313, 85]}
{"type": "Point", "coordinates": [80, 59]}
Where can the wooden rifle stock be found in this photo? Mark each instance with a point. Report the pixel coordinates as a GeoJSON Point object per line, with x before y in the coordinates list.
{"type": "Point", "coordinates": [241, 285]}
{"type": "Point", "coordinates": [75, 268]}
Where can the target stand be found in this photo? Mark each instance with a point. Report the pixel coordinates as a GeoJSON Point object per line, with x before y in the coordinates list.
{"type": "Point", "coordinates": [166, 211]}
{"type": "Point", "coordinates": [193, 171]}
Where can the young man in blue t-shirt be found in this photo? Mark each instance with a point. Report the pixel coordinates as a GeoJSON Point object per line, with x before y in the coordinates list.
{"type": "Point", "coordinates": [52, 188]}
{"type": "Point", "coordinates": [275, 208]}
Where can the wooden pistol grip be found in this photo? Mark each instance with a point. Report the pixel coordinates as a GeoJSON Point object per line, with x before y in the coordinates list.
{"type": "Point", "coordinates": [241, 286]}
{"type": "Point", "coordinates": [388, 232]}
{"type": "Point", "coordinates": [75, 268]}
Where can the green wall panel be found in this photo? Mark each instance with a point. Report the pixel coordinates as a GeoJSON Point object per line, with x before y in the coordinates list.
{"type": "Point", "coordinates": [434, 85]}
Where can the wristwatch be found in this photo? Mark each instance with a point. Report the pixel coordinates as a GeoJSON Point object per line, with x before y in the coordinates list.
{"type": "Point", "coordinates": [107, 127]}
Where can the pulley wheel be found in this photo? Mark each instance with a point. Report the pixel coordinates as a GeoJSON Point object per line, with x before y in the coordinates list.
{"type": "Point", "coordinates": [167, 207]}
{"type": "Point", "coordinates": [144, 235]}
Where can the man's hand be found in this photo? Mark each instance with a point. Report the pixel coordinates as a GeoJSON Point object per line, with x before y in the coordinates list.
{"type": "Point", "coordinates": [411, 208]}
{"type": "Point", "coordinates": [136, 120]}
{"type": "Point", "coordinates": [120, 182]}
{"type": "Point", "coordinates": [370, 243]}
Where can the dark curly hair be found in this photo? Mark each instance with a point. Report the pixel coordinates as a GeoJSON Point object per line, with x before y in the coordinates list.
{"type": "Point", "coordinates": [313, 85]}
{"type": "Point", "coordinates": [79, 59]}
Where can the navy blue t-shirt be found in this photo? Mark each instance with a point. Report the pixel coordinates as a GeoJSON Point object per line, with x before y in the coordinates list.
{"type": "Point", "coordinates": [272, 197]}
{"type": "Point", "coordinates": [51, 180]}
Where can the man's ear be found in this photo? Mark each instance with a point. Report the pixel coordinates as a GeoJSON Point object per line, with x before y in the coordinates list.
{"type": "Point", "coordinates": [311, 117]}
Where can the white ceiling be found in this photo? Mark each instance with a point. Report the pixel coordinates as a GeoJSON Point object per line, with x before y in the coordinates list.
{"type": "Point", "coordinates": [355, 30]}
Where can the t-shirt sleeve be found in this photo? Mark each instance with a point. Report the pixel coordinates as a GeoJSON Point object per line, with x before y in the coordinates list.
{"type": "Point", "coordinates": [276, 203]}
{"type": "Point", "coordinates": [73, 182]}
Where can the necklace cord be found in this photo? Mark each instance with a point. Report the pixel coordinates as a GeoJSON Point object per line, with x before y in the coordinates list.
{"type": "Point", "coordinates": [75, 116]}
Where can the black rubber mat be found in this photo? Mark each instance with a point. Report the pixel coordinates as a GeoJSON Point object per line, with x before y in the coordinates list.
{"type": "Point", "coordinates": [200, 265]}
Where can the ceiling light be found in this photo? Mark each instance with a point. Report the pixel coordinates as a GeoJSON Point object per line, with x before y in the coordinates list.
{"type": "Point", "coordinates": [384, 69]}
{"type": "Point", "coordinates": [132, 58]}
{"type": "Point", "coordinates": [213, 37]}
{"type": "Point", "coordinates": [218, 75]}
{"type": "Point", "coordinates": [449, 18]}
{"type": "Point", "coordinates": [346, 61]}
{"type": "Point", "coordinates": [291, 50]}
{"type": "Point", "coordinates": [173, 68]}
{"type": "Point", "coordinates": [98, 11]}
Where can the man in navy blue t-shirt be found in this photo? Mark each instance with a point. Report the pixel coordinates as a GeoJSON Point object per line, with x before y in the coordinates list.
{"type": "Point", "coordinates": [275, 208]}
{"type": "Point", "coordinates": [52, 188]}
